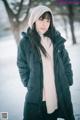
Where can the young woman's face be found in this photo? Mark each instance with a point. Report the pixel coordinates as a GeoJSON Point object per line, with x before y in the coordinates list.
{"type": "Point", "coordinates": [42, 25]}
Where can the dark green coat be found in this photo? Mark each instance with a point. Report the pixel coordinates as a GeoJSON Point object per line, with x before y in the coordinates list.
{"type": "Point", "coordinates": [31, 71]}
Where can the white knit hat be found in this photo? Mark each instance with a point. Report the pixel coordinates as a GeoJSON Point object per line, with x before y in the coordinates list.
{"type": "Point", "coordinates": [36, 12]}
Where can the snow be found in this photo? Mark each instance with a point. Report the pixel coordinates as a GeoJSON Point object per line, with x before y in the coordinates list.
{"type": "Point", "coordinates": [75, 89]}
{"type": "Point", "coordinates": [12, 92]}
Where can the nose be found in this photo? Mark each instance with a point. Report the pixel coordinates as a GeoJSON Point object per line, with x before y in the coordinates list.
{"type": "Point", "coordinates": [44, 23]}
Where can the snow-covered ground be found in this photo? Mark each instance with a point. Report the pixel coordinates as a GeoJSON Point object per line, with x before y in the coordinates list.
{"type": "Point", "coordinates": [74, 52]}
{"type": "Point", "coordinates": [12, 92]}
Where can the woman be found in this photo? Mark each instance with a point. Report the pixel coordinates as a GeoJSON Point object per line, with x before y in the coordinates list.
{"type": "Point", "coordinates": [45, 69]}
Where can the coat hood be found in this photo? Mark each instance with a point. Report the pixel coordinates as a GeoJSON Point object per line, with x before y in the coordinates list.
{"type": "Point", "coordinates": [36, 12]}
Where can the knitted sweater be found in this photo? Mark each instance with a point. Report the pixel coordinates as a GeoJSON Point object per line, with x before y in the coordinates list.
{"type": "Point", "coordinates": [49, 90]}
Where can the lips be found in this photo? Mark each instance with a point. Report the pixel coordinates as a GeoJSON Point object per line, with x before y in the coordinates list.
{"type": "Point", "coordinates": [42, 28]}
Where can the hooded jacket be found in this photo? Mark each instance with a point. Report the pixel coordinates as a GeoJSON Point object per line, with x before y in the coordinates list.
{"type": "Point", "coordinates": [30, 67]}
{"type": "Point", "coordinates": [40, 10]}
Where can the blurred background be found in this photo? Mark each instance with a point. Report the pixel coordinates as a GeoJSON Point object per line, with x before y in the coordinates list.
{"type": "Point", "coordinates": [14, 15]}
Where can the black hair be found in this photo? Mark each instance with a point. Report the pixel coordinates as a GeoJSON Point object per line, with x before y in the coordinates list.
{"type": "Point", "coordinates": [35, 37]}
{"type": "Point", "coordinates": [46, 15]}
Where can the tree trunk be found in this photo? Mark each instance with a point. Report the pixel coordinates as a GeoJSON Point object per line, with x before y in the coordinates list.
{"type": "Point", "coordinates": [71, 21]}
{"type": "Point", "coordinates": [65, 25]}
{"type": "Point", "coordinates": [16, 25]}
{"type": "Point", "coordinates": [16, 32]}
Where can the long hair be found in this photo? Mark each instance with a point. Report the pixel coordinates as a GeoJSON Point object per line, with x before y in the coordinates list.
{"type": "Point", "coordinates": [35, 37]}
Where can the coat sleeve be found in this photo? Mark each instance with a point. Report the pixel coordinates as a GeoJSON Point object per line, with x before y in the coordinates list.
{"type": "Point", "coordinates": [22, 63]}
{"type": "Point", "coordinates": [67, 65]}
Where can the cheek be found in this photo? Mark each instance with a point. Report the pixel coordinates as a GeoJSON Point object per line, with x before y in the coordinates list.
{"type": "Point", "coordinates": [48, 25]}
{"type": "Point", "coordinates": [37, 25]}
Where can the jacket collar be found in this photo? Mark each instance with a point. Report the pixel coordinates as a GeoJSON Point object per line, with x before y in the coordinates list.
{"type": "Point", "coordinates": [57, 39]}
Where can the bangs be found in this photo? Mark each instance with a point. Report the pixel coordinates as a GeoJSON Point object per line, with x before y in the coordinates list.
{"type": "Point", "coordinates": [46, 15]}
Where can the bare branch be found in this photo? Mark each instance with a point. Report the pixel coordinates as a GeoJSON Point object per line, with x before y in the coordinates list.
{"type": "Point", "coordinates": [29, 5]}
{"type": "Point", "coordinates": [20, 7]}
{"type": "Point", "coordinates": [65, 14]}
{"type": "Point", "coordinates": [8, 9]}
{"type": "Point", "coordinates": [27, 12]}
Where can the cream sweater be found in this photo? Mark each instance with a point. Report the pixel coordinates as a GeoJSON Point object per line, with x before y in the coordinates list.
{"type": "Point", "coordinates": [49, 90]}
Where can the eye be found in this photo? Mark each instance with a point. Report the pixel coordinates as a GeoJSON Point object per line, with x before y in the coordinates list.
{"type": "Point", "coordinates": [47, 20]}
{"type": "Point", "coordinates": [41, 18]}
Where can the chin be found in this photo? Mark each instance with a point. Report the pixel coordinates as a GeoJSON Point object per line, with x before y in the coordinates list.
{"type": "Point", "coordinates": [43, 32]}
